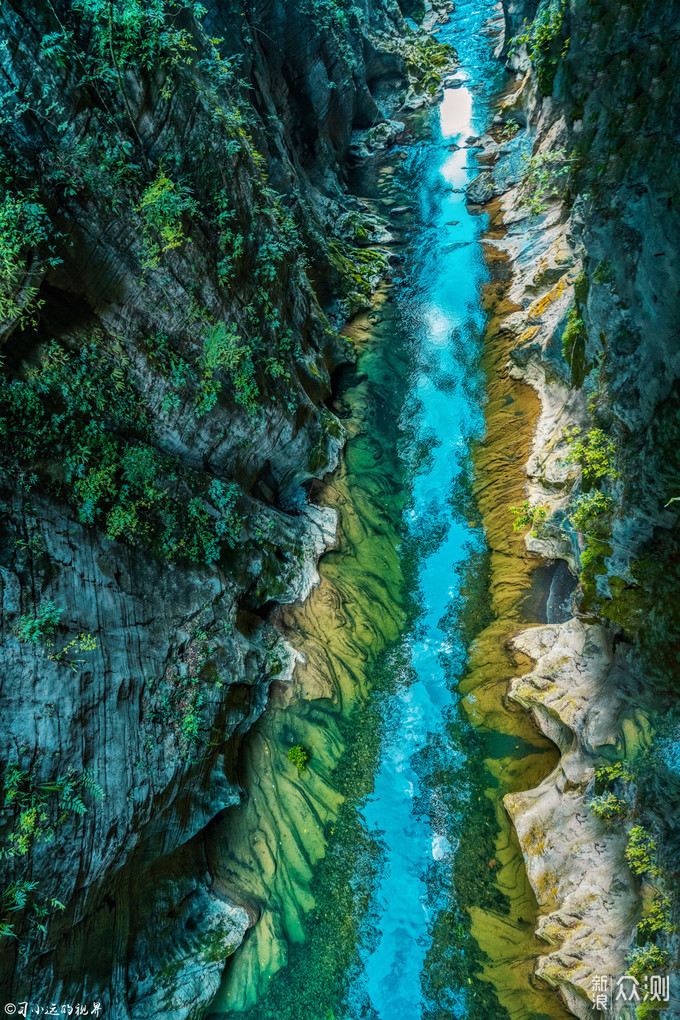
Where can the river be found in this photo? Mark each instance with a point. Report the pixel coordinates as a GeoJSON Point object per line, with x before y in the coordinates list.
{"type": "Point", "coordinates": [389, 882]}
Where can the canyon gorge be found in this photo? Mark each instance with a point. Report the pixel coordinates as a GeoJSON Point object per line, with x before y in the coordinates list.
{"type": "Point", "coordinates": [340, 480]}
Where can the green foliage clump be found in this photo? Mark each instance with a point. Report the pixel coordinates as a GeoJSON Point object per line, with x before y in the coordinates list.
{"type": "Point", "coordinates": [546, 42]}
{"type": "Point", "coordinates": [619, 770]}
{"type": "Point", "coordinates": [127, 32]}
{"type": "Point", "coordinates": [223, 349]}
{"type": "Point", "coordinates": [656, 919]}
{"type": "Point", "coordinates": [39, 809]}
{"type": "Point", "coordinates": [527, 515]}
{"type": "Point", "coordinates": [549, 175]}
{"type": "Point", "coordinates": [40, 625]}
{"type": "Point", "coordinates": [590, 513]}
{"type": "Point", "coordinates": [77, 423]}
{"type": "Point", "coordinates": [641, 852]}
{"type": "Point", "coordinates": [649, 959]}
{"type": "Point", "coordinates": [595, 452]}
{"type": "Point", "coordinates": [607, 806]}
{"type": "Point", "coordinates": [163, 205]}
{"type": "Point", "coordinates": [298, 756]}
{"type": "Point", "coordinates": [24, 227]}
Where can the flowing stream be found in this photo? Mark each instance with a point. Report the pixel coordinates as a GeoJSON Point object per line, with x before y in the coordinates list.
{"type": "Point", "coordinates": [387, 878]}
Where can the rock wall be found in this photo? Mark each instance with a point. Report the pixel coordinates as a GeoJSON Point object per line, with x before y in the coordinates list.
{"type": "Point", "coordinates": [592, 231]}
{"type": "Point", "coordinates": [177, 242]}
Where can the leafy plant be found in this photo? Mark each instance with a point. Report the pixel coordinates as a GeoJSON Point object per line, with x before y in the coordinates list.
{"type": "Point", "coordinates": [163, 205]}
{"type": "Point", "coordinates": [526, 515]}
{"type": "Point", "coordinates": [40, 808]}
{"type": "Point", "coordinates": [657, 918]}
{"type": "Point", "coordinates": [589, 510]}
{"type": "Point", "coordinates": [648, 959]}
{"type": "Point", "coordinates": [77, 424]}
{"type": "Point", "coordinates": [42, 624]}
{"type": "Point", "coordinates": [298, 756]}
{"type": "Point", "coordinates": [223, 349]}
{"type": "Point", "coordinates": [24, 233]}
{"type": "Point", "coordinates": [641, 852]}
{"type": "Point", "coordinates": [546, 42]}
{"type": "Point", "coordinates": [595, 452]}
{"type": "Point", "coordinates": [607, 806]}
{"type": "Point", "coordinates": [548, 175]}
{"type": "Point", "coordinates": [619, 770]}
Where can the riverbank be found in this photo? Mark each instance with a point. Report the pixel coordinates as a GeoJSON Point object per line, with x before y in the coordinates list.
{"type": "Point", "coordinates": [573, 680]}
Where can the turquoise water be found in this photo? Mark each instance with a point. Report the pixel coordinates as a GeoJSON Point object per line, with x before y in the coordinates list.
{"type": "Point", "coordinates": [384, 879]}
{"type": "Point", "coordinates": [438, 303]}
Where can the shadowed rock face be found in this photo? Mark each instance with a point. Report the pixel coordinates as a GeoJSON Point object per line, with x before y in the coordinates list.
{"type": "Point", "coordinates": [155, 660]}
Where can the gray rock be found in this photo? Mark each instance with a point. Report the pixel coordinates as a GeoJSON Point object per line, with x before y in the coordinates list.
{"type": "Point", "coordinates": [482, 188]}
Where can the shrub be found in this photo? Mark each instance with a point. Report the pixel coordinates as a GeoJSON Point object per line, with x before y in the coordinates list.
{"type": "Point", "coordinates": [610, 773]}
{"type": "Point", "coordinates": [595, 452]}
{"type": "Point", "coordinates": [648, 959]}
{"type": "Point", "coordinates": [657, 920]}
{"type": "Point", "coordinates": [223, 349]}
{"type": "Point", "coordinates": [298, 756]}
{"type": "Point", "coordinates": [78, 419]}
{"type": "Point", "coordinates": [546, 42]}
{"type": "Point", "coordinates": [589, 512]}
{"type": "Point", "coordinates": [548, 175]}
{"type": "Point", "coordinates": [607, 806]}
{"type": "Point", "coordinates": [641, 852]}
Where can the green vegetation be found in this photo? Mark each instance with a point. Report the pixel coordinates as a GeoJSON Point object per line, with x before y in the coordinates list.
{"type": "Point", "coordinates": [527, 515]}
{"type": "Point", "coordinates": [224, 349]}
{"type": "Point", "coordinates": [36, 810]}
{"type": "Point", "coordinates": [605, 803]}
{"type": "Point", "coordinates": [549, 175]}
{"type": "Point", "coordinates": [298, 756]}
{"type": "Point", "coordinates": [590, 511]}
{"type": "Point", "coordinates": [610, 773]}
{"type": "Point", "coordinates": [39, 626]}
{"type": "Point", "coordinates": [163, 206]}
{"type": "Point", "coordinates": [656, 918]}
{"type": "Point", "coordinates": [594, 451]}
{"type": "Point", "coordinates": [607, 806]}
{"type": "Point", "coordinates": [649, 959]}
{"type": "Point", "coordinates": [574, 341]}
{"type": "Point", "coordinates": [24, 233]}
{"type": "Point", "coordinates": [546, 41]}
{"type": "Point", "coordinates": [360, 269]}
{"type": "Point", "coordinates": [641, 852]}
{"type": "Point", "coordinates": [426, 61]}
{"type": "Point", "coordinates": [78, 424]}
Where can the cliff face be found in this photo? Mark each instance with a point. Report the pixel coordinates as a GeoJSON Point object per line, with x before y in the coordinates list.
{"type": "Point", "coordinates": [172, 195]}
{"type": "Point", "coordinates": [593, 230]}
